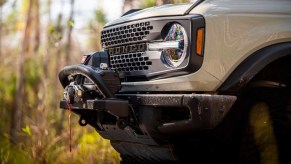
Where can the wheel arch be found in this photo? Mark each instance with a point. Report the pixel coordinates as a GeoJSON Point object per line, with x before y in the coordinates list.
{"type": "Point", "coordinates": [254, 64]}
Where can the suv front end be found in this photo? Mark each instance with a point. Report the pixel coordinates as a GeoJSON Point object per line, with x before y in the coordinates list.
{"type": "Point", "coordinates": [139, 92]}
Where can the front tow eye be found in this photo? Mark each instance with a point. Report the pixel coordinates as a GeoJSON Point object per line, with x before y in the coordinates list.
{"type": "Point", "coordinates": [82, 121]}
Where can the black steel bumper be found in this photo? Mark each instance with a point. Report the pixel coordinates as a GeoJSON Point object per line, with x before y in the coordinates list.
{"type": "Point", "coordinates": [205, 111]}
{"type": "Point", "coordinates": [139, 125]}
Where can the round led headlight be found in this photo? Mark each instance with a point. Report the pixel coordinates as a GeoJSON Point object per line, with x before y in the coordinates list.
{"type": "Point", "coordinates": [174, 56]}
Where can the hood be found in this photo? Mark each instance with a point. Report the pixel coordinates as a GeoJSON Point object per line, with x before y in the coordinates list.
{"type": "Point", "coordinates": [164, 10]}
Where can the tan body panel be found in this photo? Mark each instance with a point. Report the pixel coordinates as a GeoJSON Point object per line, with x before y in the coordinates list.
{"type": "Point", "coordinates": [156, 11]}
{"type": "Point", "coordinates": [235, 29]}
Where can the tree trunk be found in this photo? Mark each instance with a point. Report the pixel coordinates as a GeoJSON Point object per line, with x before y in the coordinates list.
{"type": "Point", "coordinates": [37, 26]}
{"type": "Point", "coordinates": [46, 58]}
{"type": "Point", "coordinates": [69, 34]}
{"type": "Point", "coordinates": [49, 44]}
{"type": "Point", "coordinates": [68, 54]}
{"type": "Point", "coordinates": [1, 14]}
{"type": "Point", "coordinates": [56, 81]}
{"type": "Point", "coordinates": [0, 29]}
{"type": "Point", "coordinates": [127, 5]}
{"type": "Point", "coordinates": [17, 111]}
{"type": "Point", "coordinates": [166, 1]}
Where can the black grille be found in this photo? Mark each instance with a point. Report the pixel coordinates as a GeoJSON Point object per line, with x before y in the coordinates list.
{"type": "Point", "coordinates": [125, 34]}
{"type": "Point", "coordinates": [130, 62]}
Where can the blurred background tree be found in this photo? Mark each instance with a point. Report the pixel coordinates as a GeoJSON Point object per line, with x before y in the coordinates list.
{"type": "Point", "coordinates": [37, 39]}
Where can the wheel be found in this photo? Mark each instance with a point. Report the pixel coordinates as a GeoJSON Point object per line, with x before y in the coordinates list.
{"type": "Point", "coordinates": [266, 133]}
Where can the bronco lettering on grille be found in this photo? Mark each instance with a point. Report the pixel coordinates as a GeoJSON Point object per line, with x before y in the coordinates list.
{"type": "Point", "coordinates": [127, 49]}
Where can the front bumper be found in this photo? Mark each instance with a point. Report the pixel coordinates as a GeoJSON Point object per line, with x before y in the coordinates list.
{"type": "Point", "coordinates": [143, 126]}
{"type": "Point", "coordinates": [201, 111]}
{"type": "Point", "coordinates": [205, 111]}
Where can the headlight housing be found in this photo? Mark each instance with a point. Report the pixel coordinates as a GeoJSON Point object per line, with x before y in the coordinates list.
{"type": "Point", "coordinates": [173, 57]}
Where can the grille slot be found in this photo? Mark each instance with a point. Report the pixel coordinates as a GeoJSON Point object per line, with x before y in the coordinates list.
{"type": "Point", "coordinates": [125, 34]}
{"type": "Point", "coordinates": [130, 62]}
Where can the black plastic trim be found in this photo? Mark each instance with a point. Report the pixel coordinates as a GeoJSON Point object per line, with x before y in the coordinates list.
{"type": "Point", "coordinates": [130, 12]}
{"type": "Point", "coordinates": [254, 64]}
{"type": "Point", "coordinates": [193, 6]}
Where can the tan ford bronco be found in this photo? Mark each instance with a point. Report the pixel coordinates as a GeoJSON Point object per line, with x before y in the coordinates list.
{"type": "Point", "coordinates": [205, 82]}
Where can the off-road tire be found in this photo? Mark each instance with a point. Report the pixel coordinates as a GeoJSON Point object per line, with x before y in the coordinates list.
{"type": "Point", "coordinates": [266, 132]}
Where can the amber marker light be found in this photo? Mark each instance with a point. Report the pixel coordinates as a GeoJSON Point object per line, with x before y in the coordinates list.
{"type": "Point", "coordinates": [200, 41]}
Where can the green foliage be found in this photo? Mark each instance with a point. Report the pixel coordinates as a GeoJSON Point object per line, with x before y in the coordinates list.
{"type": "Point", "coordinates": [27, 130]}
{"type": "Point", "coordinates": [180, 1]}
{"type": "Point", "coordinates": [151, 3]}
{"type": "Point", "coordinates": [7, 87]}
{"type": "Point", "coordinates": [100, 17]}
{"type": "Point", "coordinates": [92, 142]}
{"type": "Point", "coordinates": [38, 140]}
{"type": "Point", "coordinates": [70, 23]}
{"type": "Point", "coordinates": [12, 21]}
{"type": "Point", "coordinates": [55, 33]}
{"type": "Point", "coordinates": [32, 72]}
{"type": "Point", "coordinates": [11, 154]}
{"type": "Point", "coordinates": [7, 93]}
{"type": "Point", "coordinates": [148, 3]}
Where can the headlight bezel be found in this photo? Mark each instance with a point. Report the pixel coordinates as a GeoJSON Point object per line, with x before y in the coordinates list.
{"type": "Point", "coordinates": [174, 57]}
